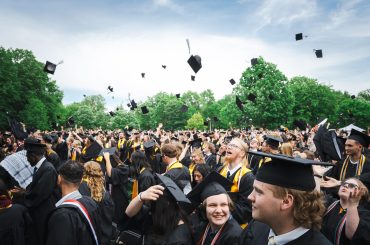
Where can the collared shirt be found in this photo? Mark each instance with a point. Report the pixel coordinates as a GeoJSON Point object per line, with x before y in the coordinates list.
{"type": "Point", "coordinates": [287, 237]}
{"type": "Point", "coordinates": [73, 195]}
{"type": "Point", "coordinates": [39, 163]}
{"type": "Point", "coordinates": [232, 171]}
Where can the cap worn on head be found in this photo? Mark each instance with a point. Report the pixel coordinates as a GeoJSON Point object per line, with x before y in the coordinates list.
{"type": "Point", "coordinates": [34, 145]}
{"type": "Point", "coordinates": [360, 137]}
{"type": "Point", "coordinates": [195, 63]}
{"type": "Point", "coordinates": [50, 67]}
{"type": "Point", "coordinates": [273, 141]}
{"type": "Point", "coordinates": [287, 172]}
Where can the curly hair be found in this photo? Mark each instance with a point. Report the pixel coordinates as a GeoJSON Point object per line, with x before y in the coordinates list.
{"type": "Point", "coordinates": [95, 180]}
{"type": "Point", "coordinates": [308, 206]}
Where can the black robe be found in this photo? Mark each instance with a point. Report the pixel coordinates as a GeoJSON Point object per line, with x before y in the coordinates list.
{"type": "Point", "coordinates": [67, 225]}
{"type": "Point", "coordinates": [257, 234]}
{"type": "Point", "coordinates": [119, 193]}
{"type": "Point", "coordinates": [180, 236]}
{"type": "Point", "coordinates": [351, 169]}
{"type": "Point", "coordinates": [145, 180]}
{"type": "Point", "coordinates": [229, 235]}
{"type": "Point", "coordinates": [181, 176]}
{"type": "Point", "coordinates": [211, 160]}
{"type": "Point", "coordinates": [40, 197]}
{"type": "Point", "coordinates": [15, 225]}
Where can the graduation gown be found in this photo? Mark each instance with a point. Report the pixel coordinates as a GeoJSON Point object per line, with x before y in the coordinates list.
{"type": "Point", "coordinates": [180, 236]}
{"type": "Point", "coordinates": [179, 175]}
{"type": "Point", "coordinates": [40, 197]}
{"type": "Point", "coordinates": [350, 171]}
{"type": "Point", "coordinates": [230, 234]}
{"type": "Point", "coordinates": [145, 180]}
{"type": "Point", "coordinates": [257, 234]}
{"type": "Point", "coordinates": [211, 160]}
{"type": "Point", "coordinates": [67, 225]}
{"type": "Point", "coordinates": [119, 193]}
{"type": "Point", "coordinates": [15, 225]}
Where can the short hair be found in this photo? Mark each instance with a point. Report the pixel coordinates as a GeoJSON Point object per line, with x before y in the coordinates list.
{"type": "Point", "coordinates": [169, 150]}
{"type": "Point", "coordinates": [308, 206]}
{"type": "Point", "coordinates": [229, 202]}
{"type": "Point", "coordinates": [211, 147]}
{"type": "Point", "coordinates": [72, 172]}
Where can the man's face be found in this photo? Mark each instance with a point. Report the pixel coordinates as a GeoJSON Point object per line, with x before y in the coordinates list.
{"type": "Point", "coordinates": [265, 206]}
{"type": "Point", "coordinates": [234, 150]}
{"type": "Point", "coordinates": [352, 147]}
{"type": "Point", "coordinates": [217, 210]}
{"type": "Point", "coordinates": [254, 144]}
{"type": "Point", "coordinates": [121, 136]}
{"type": "Point", "coordinates": [31, 158]}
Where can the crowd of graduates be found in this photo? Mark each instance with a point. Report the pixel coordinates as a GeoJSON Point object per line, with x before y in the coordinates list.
{"type": "Point", "coordinates": [236, 186]}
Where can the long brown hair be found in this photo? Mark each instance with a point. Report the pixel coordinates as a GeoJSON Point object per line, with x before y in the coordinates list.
{"type": "Point", "coordinates": [95, 180]}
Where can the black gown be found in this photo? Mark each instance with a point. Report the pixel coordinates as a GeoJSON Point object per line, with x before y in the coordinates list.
{"type": "Point", "coordinates": [257, 234]}
{"type": "Point", "coordinates": [119, 193]}
{"type": "Point", "coordinates": [181, 176]}
{"type": "Point", "coordinates": [229, 236]}
{"type": "Point", "coordinates": [180, 236]}
{"type": "Point", "coordinates": [145, 180]}
{"type": "Point", "coordinates": [40, 197]}
{"type": "Point", "coordinates": [15, 225]}
{"type": "Point", "coordinates": [332, 219]}
{"type": "Point", "coordinates": [351, 169]}
{"type": "Point", "coordinates": [67, 225]}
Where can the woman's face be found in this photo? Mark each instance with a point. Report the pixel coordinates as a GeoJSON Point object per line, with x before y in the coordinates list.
{"type": "Point", "coordinates": [347, 187]}
{"type": "Point", "coordinates": [217, 210]}
{"type": "Point", "coordinates": [195, 158]}
{"type": "Point", "coordinates": [198, 177]}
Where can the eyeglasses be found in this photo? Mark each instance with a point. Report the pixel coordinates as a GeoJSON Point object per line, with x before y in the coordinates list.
{"type": "Point", "coordinates": [349, 185]}
{"type": "Point", "coordinates": [234, 146]}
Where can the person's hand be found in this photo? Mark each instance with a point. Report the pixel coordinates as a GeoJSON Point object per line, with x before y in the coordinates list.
{"type": "Point", "coordinates": [319, 170]}
{"type": "Point", "coordinates": [106, 156]}
{"type": "Point", "coordinates": [152, 193]}
{"type": "Point", "coordinates": [17, 190]}
{"type": "Point", "coordinates": [329, 182]}
{"type": "Point", "coordinates": [355, 197]}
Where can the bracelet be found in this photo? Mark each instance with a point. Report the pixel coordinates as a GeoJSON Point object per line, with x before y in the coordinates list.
{"type": "Point", "coordinates": [318, 176]}
{"type": "Point", "coordinates": [140, 200]}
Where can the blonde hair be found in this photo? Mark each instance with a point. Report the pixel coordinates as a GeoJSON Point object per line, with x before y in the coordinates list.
{"type": "Point", "coordinates": [308, 206]}
{"type": "Point", "coordinates": [286, 149]}
{"type": "Point", "coordinates": [198, 152]}
{"type": "Point", "coordinates": [95, 180]}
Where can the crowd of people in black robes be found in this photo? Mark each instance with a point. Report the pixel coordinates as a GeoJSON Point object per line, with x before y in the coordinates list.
{"type": "Point", "coordinates": [236, 186]}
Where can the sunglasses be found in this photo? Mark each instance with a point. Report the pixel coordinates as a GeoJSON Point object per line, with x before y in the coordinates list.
{"type": "Point", "coordinates": [349, 185]}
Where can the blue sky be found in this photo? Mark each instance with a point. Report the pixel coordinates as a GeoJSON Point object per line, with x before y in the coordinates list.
{"type": "Point", "coordinates": [111, 42]}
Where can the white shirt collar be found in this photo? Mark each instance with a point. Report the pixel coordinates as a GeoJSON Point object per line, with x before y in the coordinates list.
{"type": "Point", "coordinates": [73, 195]}
{"type": "Point", "coordinates": [39, 163]}
{"type": "Point", "coordinates": [287, 237]}
{"type": "Point", "coordinates": [236, 168]}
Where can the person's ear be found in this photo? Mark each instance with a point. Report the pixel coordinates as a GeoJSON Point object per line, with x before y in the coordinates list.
{"type": "Point", "coordinates": [287, 202]}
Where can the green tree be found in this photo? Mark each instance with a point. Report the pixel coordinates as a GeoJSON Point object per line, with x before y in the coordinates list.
{"type": "Point", "coordinates": [365, 95]}
{"type": "Point", "coordinates": [273, 102]}
{"type": "Point", "coordinates": [35, 114]}
{"type": "Point", "coordinates": [196, 122]}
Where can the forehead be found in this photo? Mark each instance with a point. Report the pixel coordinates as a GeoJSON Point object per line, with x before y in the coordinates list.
{"type": "Point", "coordinates": [352, 181]}
{"type": "Point", "coordinates": [220, 198]}
{"type": "Point", "coordinates": [351, 142]}
{"type": "Point", "coordinates": [263, 186]}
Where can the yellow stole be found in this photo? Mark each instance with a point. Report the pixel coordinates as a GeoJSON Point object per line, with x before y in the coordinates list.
{"type": "Point", "coordinates": [83, 151]}
{"type": "Point", "coordinates": [174, 165]}
{"type": "Point", "coordinates": [359, 168]}
{"type": "Point", "coordinates": [120, 143]}
{"type": "Point", "coordinates": [192, 167]}
{"type": "Point", "coordinates": [73, 155]}
{"type": "Point", "coordinates": [135, 187]}
{"type": "Point", "coordinates": [239, 174]}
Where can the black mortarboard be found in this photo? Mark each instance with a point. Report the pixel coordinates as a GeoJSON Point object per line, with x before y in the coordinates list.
{"type": "Point", "coordinates": [128, 105]}
{"type": "Point", "coordinates": [195, 63]}
{"type": "Point", "coordinates": [133, 104]}
{"type": "Point", "coordinates": [143, 75]}
{"type": "Point", "coordinates": [173, 189]}
{"type": "Point", "coordinates": [213, 184]}
{"type": "Point", "coordinates": [232, 81]}
{"type": "Point", "coordinates": [273, 141]}
{"type": "Point", "coordinates": [206, 123]}
{"type": "Point", "coordinates": [287, 172]}
{"type": "Point", "coordinates": [192, 77]}
{"type": "Point", "coordinates": [164, 66]}
{"type": "Point", "coordinates": [298, 36]}
{"type": "Point", "coordinates": [196, 142]}
{"type": "Point", "coordinates": [318, 53]}
{"type": "Point", "coordinates": [254, 61]}
{"type": "Point", "coordinates": [353, 97]}
{"type": "Point", "coordinates": [110, 88]}
{"type": "Point", "coordinates": [17, 129]}
{"type": "Point", "coordinates": [112, 114]}
{"type": "Point", "coordinates": [252, 97]}
{"type": "Point", "coordinates": [149, 144]}
{"type": "Point", "coordinates": [111, 151]}
{"type": "Point", "coordinates": [332, 146]}
{"type": "Point", "coordinates": [317, 140]}
{"type": "Point", "coordinates": [215, 119]}
{"type": "Point", "coordinates": [47, 138]}
{"type": "Point", "coordinates": [301, 124]}
{"type": "Point", "coordinates": [70, 121]}
{"type": "Point", "coordinates": [239, 103]}
{"type": "Point", "coordinates": [360, 137]}
{"type": "Point", "coordinates": [184, 108]}
{"type": "Point", "coordinates": [92, 152]}
{"type": "Point", "coordinates": [271, 97]}
{"type": "Point", "coordinates": [50, 67]}
{"type": "Point", "coordinates": [34, 145]}
{"type": "Point", "coordinates": [178, 96]}
{"type": "Point", "coordinates": [144, 110]}
{"type": "Point", "coordinates": [84, 95]}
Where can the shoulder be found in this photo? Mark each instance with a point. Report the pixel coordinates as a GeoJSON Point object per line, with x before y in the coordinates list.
{"type": "Point", "coordinates": [311, 237]}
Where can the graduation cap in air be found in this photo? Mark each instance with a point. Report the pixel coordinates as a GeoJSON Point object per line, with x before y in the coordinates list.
{"type": "Point", "coordinates": [178, 96]}
{"type": "Point", "coordinates": [254, 61]}
{"type": "Point", "coordinates": [110, 88]}
{"type": "Point", "coordinates": [239, 103]}
{"type": "Point", "coordinates": [164, 66]}
{"type": "Point", "coordinates": [173, 189]}
{"type": "Point", "coordinates": [143, 75]}
{"type": "Point", "coordinates": [192, 77]}
{"type": "Point", "coordinates": [213, 184]}
{"type": "Point", "coordinates": [232, 81]}
{"type": "Point", "coordinates": [272, 141]}
{"type": "Point", "coordinates": [144, 110]}
{"type": "Point", "coordinates": [271, 97]}
{"type": "Point", "coordinates": [206, 123]}
{"type": "Point", "coordinates": [195, 63]}
{"type": "Point", "coordinates": [17, 129]}
{"type": "Point", "coordinates": [298, 36]}
{"type": "Point", "coordinates": [84, 95]}
{"type": "Point", "coordinates": [112, 114]}
{"type": "Point", "coordinates": [215, 119]}
{"type": "Point", "coordinates": [252, 97]}
{"type": "Point", "coordinates": [318, 53]}
{"type": "Point", "coordinates": [184, 108]}
{"type": "Point", "coordinates": [71, 121]}
{"type": "Point", "coordinates": [133, 105]}
{"type": "Point", "coordinates": [287, 172]}
{"type": "Point", "coordinates": [50, 67]}
{"type": "Point", "coordinates": [353, 97]}
{"type": "Point", "coordinates": [360, 137]}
